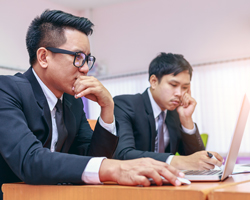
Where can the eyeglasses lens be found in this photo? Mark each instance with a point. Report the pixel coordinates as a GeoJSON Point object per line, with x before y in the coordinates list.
{"type": "Point", "coordinates": [91, 61]}
{"type": "Point", "coordinates": [80, 57]}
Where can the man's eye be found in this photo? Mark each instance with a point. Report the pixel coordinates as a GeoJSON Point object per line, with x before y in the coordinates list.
{"type": "Point", "coordinates": [79, 57]}
{"type": "Point", "coordinates": [173, 85]}
{"type": "Point", "coordinates": [184, 88]}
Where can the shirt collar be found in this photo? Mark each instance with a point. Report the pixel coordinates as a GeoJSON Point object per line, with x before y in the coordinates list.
{"type": "Point", "coordinates": [156, 109]}
{"type": "Point", "coordinates": [51, 98]}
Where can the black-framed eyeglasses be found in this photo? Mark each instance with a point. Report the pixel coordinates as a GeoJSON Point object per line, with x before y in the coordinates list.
{"type": "Point", "coordinates": [80, 57]}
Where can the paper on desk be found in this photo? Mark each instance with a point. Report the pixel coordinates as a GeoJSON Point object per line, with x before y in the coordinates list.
{"type": "Point", "coordinates": [241, 168]}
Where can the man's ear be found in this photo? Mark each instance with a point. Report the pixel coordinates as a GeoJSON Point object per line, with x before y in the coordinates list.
{"type": "Point", "coordinates": [42, 57]}
{"type": "Point", "coordinates": [153, 81]}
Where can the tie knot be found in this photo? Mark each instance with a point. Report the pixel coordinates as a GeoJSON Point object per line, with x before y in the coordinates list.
{"type": "Point", "coordinates": [59, 105]}
{"type": "Point", "coordinates": [161, 115]}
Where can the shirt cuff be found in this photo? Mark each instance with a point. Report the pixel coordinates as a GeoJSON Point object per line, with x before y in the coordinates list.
{"type": "Point", "coordinates": [109, 127]}
{"type": "Point", "coordinates": [189, 131]}
{"type": "Point", "coordinates": [90, 174]}
{"type": "Point", "coordinates": [169, 159]}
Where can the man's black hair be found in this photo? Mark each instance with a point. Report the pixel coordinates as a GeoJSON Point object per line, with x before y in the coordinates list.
{"type": "Point", "coordinates": [169, 63]}
{"type": "Point", "coordinates": [48, 30]}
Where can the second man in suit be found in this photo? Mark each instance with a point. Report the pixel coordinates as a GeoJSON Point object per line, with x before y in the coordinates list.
{"type": "Point", "coordinates": [158, 123]}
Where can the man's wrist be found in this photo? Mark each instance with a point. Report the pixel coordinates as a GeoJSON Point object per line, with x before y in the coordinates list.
{"type": "Point", "coordinates": [189, 131]}
{"type": "Point", "coordinates": [90, 174]}
{"type": "Point", "coordinates": [169, 159]}
{"type": "Point", "coordinates": [109, 127]}
{"type": "Point", "coordinates": [107, 114]}
{"type": "Point", "coordinates": [187, 123]}
{"type": "Point", "coordinates": [107, 170]}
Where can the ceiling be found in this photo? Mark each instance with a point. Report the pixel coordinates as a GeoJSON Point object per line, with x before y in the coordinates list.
{"type": "Point", "coordinates": [86, 4]}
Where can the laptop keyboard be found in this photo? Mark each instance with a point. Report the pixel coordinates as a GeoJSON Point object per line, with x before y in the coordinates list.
{"type": "Point", "coordinates": [202, 172]}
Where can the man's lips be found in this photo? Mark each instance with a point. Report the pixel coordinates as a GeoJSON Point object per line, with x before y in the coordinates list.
{"type": "Point", "coordinates": [175, 102]}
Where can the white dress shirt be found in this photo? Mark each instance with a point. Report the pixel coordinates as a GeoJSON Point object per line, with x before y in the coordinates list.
{"type": "Point", "coordinates": [157, 110]}
{"type": "Point", "coordinates": [90, 174]}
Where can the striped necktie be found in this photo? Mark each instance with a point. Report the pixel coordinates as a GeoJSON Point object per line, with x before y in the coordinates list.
{"type": "Point", "coordinates": [161, 148]}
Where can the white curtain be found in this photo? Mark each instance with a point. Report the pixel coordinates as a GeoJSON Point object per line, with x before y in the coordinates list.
{"type": "Point", "coordinates": [218, 89]}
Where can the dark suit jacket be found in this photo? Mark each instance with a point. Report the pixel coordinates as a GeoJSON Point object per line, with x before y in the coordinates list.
{"type": "Point", "coordinates": [137, 130]}
{"type": "Point", "coordinates": [25, 132]}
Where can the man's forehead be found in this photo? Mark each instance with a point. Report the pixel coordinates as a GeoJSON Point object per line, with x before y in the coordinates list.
{"type": "Point", "coordinates": [77, 40]}
{"type": "Point", "coordinates": [183, 77]}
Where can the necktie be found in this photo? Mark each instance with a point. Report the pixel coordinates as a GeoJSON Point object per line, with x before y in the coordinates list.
{"type": "Point", "coordinates": [62, 131]}
{"type": "Point", "coordinates": [161, 148]}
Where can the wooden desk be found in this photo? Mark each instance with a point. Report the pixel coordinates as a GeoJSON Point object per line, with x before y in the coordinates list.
{"type": "Point", "coordinates": [195, 191]}
{"type": "Point", "coordinates": [239, 191]}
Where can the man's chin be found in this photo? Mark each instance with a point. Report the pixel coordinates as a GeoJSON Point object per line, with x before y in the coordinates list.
{"type": "Point", "coordinates": [172, 107]}
{"type": "Point", "coordinates": [71, 92]}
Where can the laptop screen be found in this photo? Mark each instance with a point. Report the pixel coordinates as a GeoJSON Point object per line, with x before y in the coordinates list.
{"type": "Point", "coordinates": [236, 139]}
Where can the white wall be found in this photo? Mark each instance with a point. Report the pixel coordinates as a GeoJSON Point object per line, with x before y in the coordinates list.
{"type": "Point", "coordinates": [15, 18]}
{"type": "Point", "coordinates": [128, 36]}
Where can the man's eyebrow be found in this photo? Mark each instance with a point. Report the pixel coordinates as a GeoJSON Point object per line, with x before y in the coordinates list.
{"type": "Point", "coordinates": [82, 51]}
{"type": "Point", "coordinates": [177, 82]}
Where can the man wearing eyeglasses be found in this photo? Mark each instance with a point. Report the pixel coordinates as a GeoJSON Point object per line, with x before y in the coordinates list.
{"type": "Point", "coordinates": [45, 136]}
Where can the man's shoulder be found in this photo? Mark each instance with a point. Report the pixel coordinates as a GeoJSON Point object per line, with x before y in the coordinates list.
{"type": "Point", "coordinates": [130, 103]}
{"type": "Point", "coordinates": [10, 80]}
{"type": "Point", "coordinates": [15, 89]}
{"type": "Point", "coordinates": [128, 98]}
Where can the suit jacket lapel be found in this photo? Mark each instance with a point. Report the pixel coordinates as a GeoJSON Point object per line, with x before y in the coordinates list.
{"type": "Point", "coordinates": [42, 102]}
{"type": "Point", "coordinates": [151, 120]}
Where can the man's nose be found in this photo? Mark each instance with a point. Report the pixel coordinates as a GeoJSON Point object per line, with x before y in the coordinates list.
{"type": "Point", "coordinates": [178, 91]}
{"type": "Point", "coordinates": [84, 69]}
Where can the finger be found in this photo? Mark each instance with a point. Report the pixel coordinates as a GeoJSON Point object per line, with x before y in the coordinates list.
{"type": "Point", "coordinates": [185, 100]}
{"type": "Point", "coordinates": [216, 159]}
{"type": "Point", "coordinates": [80, 85]}
{"type": "Point", "coordinates": [170, 173]}
{"type": "Point", "coordinates": [213, 161]}
{"type": "Point", "coordinates": [189, 90]}
{"type": "Point", "coordinates": [167, 171]}
{"type": "Point", "coordinates": [141, 180]}
{"type": "Point", "coordinates": [175, 171]}
{"type": "Point", "coordinates": [190, 100]}
{"type": "Point", "coordinates": [88, 93]}
{"type": "Point", "coordinates": [83, 79]}
{"type": "Point", "coordinates": [154, 175]}
{"type": "Point", "coordinates": [207, 166]}
{"type": "Point", "coordinates": [218, 156]}
{"type": "Point", "coordinates": [170, 177]}
{"type": "Point", "coordinates": [205, 162]}
{"type": "Point", "coordinates": [172, 169]}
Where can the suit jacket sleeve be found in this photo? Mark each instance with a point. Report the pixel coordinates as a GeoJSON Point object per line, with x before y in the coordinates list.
{"type": "Point", "coordinates": [190, 143]}
{"type": "Point", "coordinates": [97, 143]}
{"type": "Point", "coordinates": [181, 142]}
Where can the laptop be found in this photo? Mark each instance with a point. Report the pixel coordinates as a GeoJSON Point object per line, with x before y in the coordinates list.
{"type": "Point", "coordinates": [227, 169]}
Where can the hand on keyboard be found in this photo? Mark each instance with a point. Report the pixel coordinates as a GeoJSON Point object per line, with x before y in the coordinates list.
{"type": "Point", "coordinates": [197, 161]}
